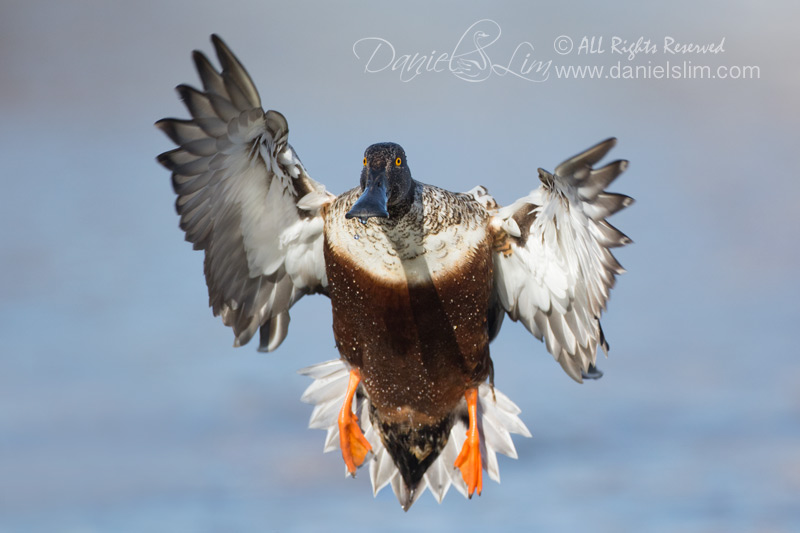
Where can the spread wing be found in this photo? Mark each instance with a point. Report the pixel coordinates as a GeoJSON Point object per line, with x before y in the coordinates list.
{"type": "Point", "coordinates": [245, 198]}
{"type": "Point", "coordinates": [554, 267]}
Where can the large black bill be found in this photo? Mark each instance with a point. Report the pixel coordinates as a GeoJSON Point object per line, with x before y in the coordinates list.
{"type": "Point", "coordinates": [372, 202]}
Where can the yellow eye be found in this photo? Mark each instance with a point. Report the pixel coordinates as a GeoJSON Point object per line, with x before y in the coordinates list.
{"type": "Point", "coordinates": [365, 161]}
{"type": "Point", "coordinates": [398, 162]}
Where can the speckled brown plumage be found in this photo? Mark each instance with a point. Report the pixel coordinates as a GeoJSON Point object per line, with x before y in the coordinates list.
{"type": "Point", "coordinates": [419, 344]}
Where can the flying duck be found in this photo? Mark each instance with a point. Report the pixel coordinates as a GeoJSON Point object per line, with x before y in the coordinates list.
{"type": "Point", "coordinates": [419, 279]}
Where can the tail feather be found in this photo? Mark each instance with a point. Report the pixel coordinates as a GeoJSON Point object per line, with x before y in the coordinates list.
{"type": "Point", "coordinates": [498, 419]}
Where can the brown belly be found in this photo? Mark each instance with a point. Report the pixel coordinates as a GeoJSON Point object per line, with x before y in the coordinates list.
{"type": "Point", "coordinates": [418, 347]}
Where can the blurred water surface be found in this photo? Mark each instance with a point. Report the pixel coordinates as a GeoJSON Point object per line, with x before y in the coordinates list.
{"type": "Point", "coordinates": [123, 406]}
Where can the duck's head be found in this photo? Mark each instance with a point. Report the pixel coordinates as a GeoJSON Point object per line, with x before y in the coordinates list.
{"type": "Point", "coordinates": [386, 183]}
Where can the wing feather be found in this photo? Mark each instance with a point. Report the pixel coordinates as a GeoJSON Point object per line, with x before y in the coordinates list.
{"type": "Point", "coordinates": [240, 185]}
{"type": "Point", "coordinates": [559, 270]}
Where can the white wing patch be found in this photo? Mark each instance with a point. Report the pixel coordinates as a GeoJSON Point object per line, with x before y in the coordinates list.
{"type": "Point", "coordinates": [245, 198]}
{"type": "Point", "coordinates": [556, 276]}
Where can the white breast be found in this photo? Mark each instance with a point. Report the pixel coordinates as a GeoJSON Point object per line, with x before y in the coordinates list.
{"type": "Point", "coordinates": [404, 254]}
{"type": "Point", "coordinates": [441, 232]}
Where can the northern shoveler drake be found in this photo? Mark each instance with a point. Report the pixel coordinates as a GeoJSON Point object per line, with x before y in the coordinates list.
{"type": "Point", "coordinates": [419, 280]}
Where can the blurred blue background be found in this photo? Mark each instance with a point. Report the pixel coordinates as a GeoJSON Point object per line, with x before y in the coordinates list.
{"type": "Point", "coordinates": [123, 406]}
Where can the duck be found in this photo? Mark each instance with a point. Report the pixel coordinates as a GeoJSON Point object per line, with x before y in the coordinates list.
{"type": "Point", "coordinates": [419, 278]}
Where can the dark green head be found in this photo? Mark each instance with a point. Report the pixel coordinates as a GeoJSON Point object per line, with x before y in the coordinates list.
{"type": "Point", "coordinates": [386, 182]}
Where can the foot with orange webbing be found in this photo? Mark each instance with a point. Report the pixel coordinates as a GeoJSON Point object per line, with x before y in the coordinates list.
{"type": "Point", "coordinates": [469, 460]}
{"type": "Point", "coordinates": [352, 441]}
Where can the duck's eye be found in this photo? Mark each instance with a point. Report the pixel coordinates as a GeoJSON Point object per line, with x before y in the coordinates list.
{"type": "Point", "coordinates": [365, 161]}
{"type": "Point", "coordinates": [398, 162]}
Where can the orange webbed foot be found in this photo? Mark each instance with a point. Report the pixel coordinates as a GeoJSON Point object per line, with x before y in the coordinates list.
{"type": "Point", "coordinates": [469, 460]}
{"type": "Point", "coordinates": [355, 446]}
